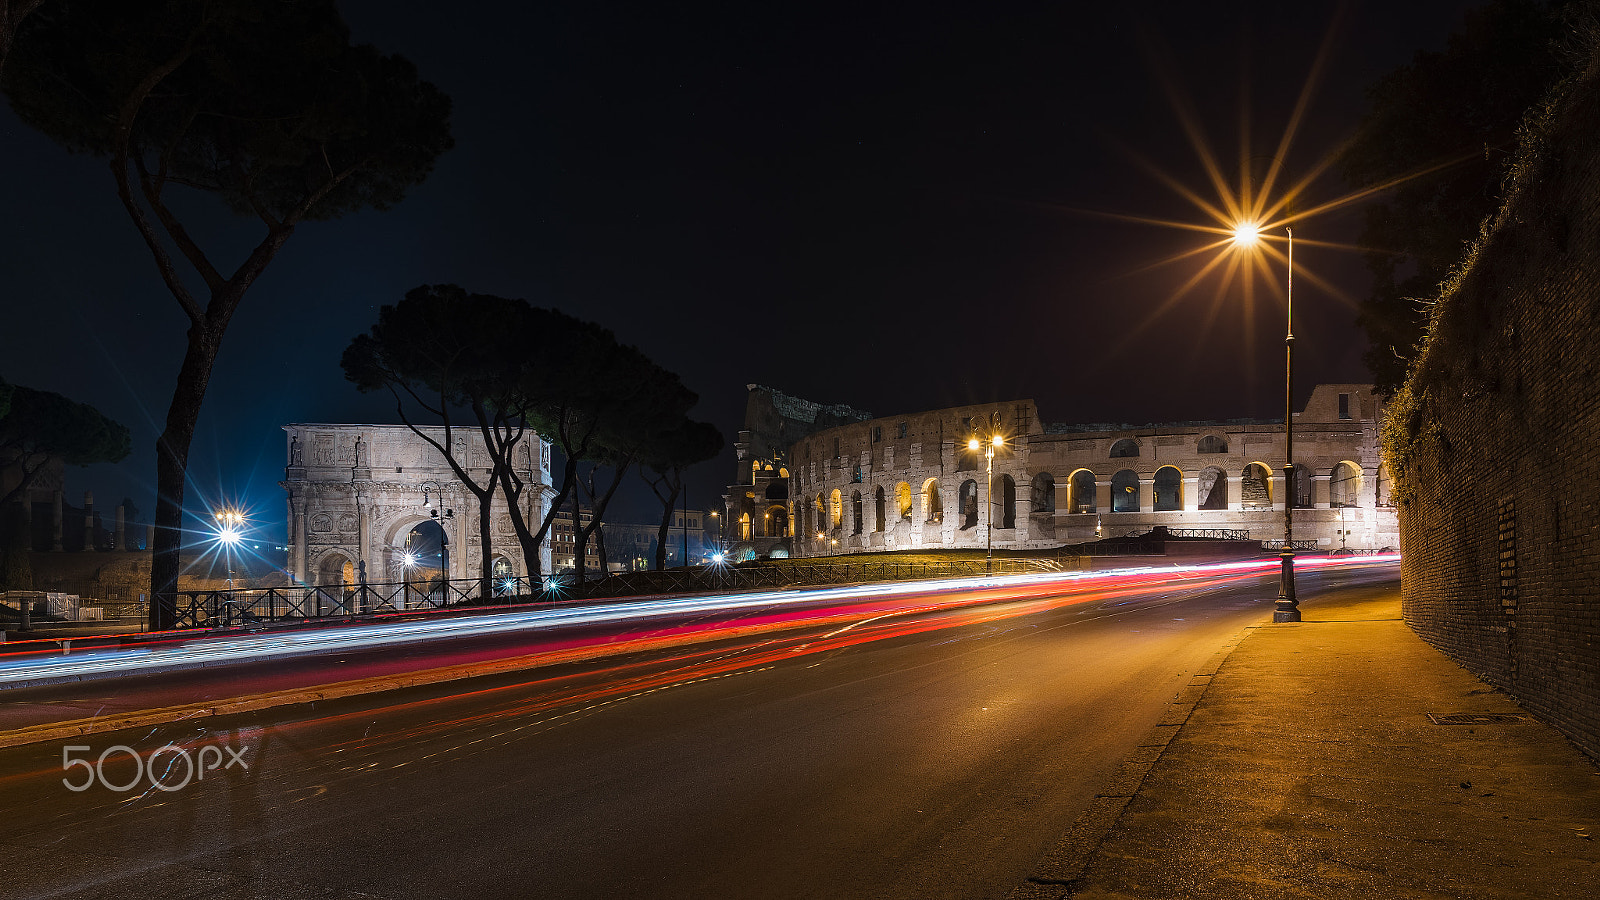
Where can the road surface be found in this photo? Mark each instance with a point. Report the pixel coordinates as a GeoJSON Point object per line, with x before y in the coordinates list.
{"type": "Point", "coordinates": [915, 755]}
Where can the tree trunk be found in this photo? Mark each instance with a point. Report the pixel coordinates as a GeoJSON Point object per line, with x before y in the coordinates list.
{"type": "Point", "coordinates": [172, 466]}
{"type": "Point", "coordinates": [669, 503]}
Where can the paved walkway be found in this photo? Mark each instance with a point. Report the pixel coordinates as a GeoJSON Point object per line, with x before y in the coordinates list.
{"type": "Point", "coordinates": [1307, 767]}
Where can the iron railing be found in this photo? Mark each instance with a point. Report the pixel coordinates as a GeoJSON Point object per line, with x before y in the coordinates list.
{"type": "Point", "coordinates": [1216, 534]}
{"type": "Point", "coordinates": [1296, 545]}
{"type": "Point", "coordinates": [225, 609]}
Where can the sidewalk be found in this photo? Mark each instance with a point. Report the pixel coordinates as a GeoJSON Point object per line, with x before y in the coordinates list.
{"type": "Point", "coordinates": [1307, 767]}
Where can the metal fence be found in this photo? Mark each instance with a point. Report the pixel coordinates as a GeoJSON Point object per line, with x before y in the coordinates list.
{"type": "Point", "coordinates": [1296, 545]}
{"type": "Point", "coordinates": [1216, 534]}
{"type": "Point", "coordinates": [223, 609]}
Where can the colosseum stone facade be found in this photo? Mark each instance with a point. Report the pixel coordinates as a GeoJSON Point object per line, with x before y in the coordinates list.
{"type": "Point", "coordinates": [911, 481]}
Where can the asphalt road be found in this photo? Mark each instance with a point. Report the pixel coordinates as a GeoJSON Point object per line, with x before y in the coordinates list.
{"type": "Point", "coordinates": [912, 756]}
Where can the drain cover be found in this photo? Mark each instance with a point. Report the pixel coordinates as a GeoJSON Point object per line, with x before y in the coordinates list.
{"type": "Point", "coordinates": [1474, 718]}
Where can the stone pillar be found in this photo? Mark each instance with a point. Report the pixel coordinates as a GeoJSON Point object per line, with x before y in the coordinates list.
{"type": "Point", "coordinates": [1191, 493]}
{"type": "Point", "coordinates": [1102, 495]}
{"type": "Point", "coordinates": [363, 546]}
{"type": "Point", "coordinates": [297, 538]}
{"type": "Point", "coordinates": [88, 521]}
{"type": "Point", "coordinates": [1063, 491]}
{"type": "Point", "coordinates": [55, 521]}
{"type": "Point", "coordinates": [1147, 495]}
{"type": "Point", "coordinates": [1321, 491]}
{"type": "Point", "coordinates": [1235, 491]}
{"type": "Point", "coordinates": [1280, 490]}
{"type": "Point", "coordinates": [121, 534]}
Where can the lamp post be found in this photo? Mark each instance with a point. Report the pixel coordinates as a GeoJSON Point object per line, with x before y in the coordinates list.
{"type": "Point", "coordinates": [1246, 235]}
{"type": "Point", "coordinates": [989, 445]}
{"type": "Point", "coordinates": [1288, 608]}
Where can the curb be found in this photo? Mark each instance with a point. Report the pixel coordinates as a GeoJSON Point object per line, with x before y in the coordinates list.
{"type": "Point", "coordinates": [1059, 873]}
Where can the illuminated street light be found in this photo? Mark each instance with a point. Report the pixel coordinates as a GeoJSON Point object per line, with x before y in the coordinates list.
{"type": "Point", "coordinates": [230, 531]}
{"type": "Point", "coordinates": [990, 444]}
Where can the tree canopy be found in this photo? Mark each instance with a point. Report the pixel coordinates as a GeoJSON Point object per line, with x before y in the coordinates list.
{"type": "Point", "coordinates": [454, 359]}
{"type": "Point", "coordinates": [263, 104]}
{"type": "Point", "coordinates": [1444, 125]}
{"type": "Point", "coordinates": [42, 425]}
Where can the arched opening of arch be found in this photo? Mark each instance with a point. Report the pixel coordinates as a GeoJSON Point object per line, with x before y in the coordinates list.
{"type": "Point", "coordinates": [1080, 488]}
{"type": "Point", "coordinates": [1168, 488]}
{"type": "Point", "coordinates": [1212, 488]}
{"type": "Point", "coordinates": [856, 516]}
{"type": "Point", "coordinates": [1212, 443]}
{"type": "Point", "coordinates": [336, 570]}
{"type": "Point", "coordinates": [902, 500]}
{"type": "Point", "coordinates": [880, 508]}
{"type": "Point", "coordinates": [967, 503]}
{"type": "Point", "coordinates": [1255, 486]}
{"type": "Point", "coordinates": [1125, 491]}
{"type": "Point", "coordinates": [422, 553]}
{"type": "Point", "coordinates": [1006, 487]}
{"type": "Point", "coordinates": [932, 503]}
{"type": "Point", "coordinates": [1042, 493]}
{"type": "Point", "coordinates": [1302, 487]}
{"type": "Point", "coordinates": [835, 510]}
{"type": "Point", "coordinates": [1344, 485]}
{"type": "Point", "coordinates": [775, 521]}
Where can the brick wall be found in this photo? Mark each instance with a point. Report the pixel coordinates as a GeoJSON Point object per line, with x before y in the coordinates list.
{"type": "Point", "coordinates": [1497, 439]}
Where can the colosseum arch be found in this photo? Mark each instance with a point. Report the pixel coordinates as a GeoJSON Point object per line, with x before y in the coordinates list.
{"type": "Point", "coordinates": [1042, 494]}
{"type": "Point", "coordinates": [1127, 447]}
{"type": "Point", "coordinates": [857, 516]}
{"type": "Point", "coordinates": [1211, 486]}
{"type": "Point", "coordinates": [1302, 487]}
{"type": "Point", "coordinates": [880, 510]}
{"type": "Point", "coordinates": [1168, 487]}
{"type": "Point", "coordinates": [902, 501]}
{"type": "Point", "coordinates": [1006, 487]}
{"type": "Point", "coordinates": [1125, 491]}
{"type": "Point", "coordinates": [1255, 486]}
{"type": "Point", "coordinates": [1212, 443]}
{"type": "Point", "coordinates": [835, 511]}
{"type": "Point", "coordinates": [1344, 485]}
{"type": "Point", "coordinates": [967, 504]}
{"type": "Point", "coordinates": [932, 503]}
{"type": "Point", "coordinates": [1081, 492]}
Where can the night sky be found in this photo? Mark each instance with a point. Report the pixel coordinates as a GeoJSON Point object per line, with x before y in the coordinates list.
{"type": "Point", "coordinates": [889, 206]}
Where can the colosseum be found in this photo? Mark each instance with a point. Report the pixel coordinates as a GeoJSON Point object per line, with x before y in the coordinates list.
{"type": "Point", "coordinates": [819, 480]}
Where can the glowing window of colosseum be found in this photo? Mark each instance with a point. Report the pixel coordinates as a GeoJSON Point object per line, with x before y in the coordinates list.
{"type": "Point", "coordinates": [1081, 489]}
{"type": "Point", "coordinates": [1255, 487]}
{"type": "Point", "coordinates": [880, 507]}
{"type": "Point", "coordinates": [902, 500]}
{"type": "Point", "coordinates": [932, 503]}
{"type": "Point", "coordinates": [967, 503]}
{"type": "Point", "coordinates": [1168, 488]}
{"type": "Point", "coordinates": [1212, 488]}
{"type": "Point", "coordinates": [1212, 444]}
{"type": "Point", "coordinates": [1043, 493]}
{"type": "Point", "coordinates": [1007, 489]}
{"type": "Point", "coordinates": [835, 510]}
{"type": "Point", "coordinates": [1344, 485]}
{"type": "Point", "coordinates": [1125, 448]}
{"type": "Point", "coordinates": [1125, 491]}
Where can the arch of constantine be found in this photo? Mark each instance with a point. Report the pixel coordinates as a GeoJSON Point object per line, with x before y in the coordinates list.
{"type": "Point", "coordinates": [359, 493]}
{"type": "Point", "coordinates": [905, 482]}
